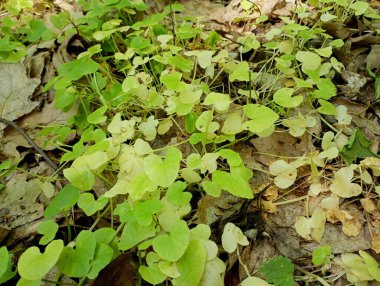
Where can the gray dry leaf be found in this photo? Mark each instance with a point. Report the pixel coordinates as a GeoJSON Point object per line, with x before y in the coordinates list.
{"type": "Point", "coordinates": [373, 59]}
{"type": "Point", "coordinates": [280, 227]}
{"type": "Point", "coordinates": [16, 90]}
{"type": "Point", "coordinates": [19, 199]}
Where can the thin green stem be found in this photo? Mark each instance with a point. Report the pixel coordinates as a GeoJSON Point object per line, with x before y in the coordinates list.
{"type": "Point", "coordinates": [68, 225]}
{"type": "Point", "coordinates": [99, 218]}
{"type": "Point", "coordinates": [328, 124]}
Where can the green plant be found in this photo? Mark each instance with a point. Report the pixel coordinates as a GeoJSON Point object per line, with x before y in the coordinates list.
{"type": "Point", "coordinates": [142, 79]}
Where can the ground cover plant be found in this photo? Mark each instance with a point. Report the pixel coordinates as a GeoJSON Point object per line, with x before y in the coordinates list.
{"type": "Point", "coordinates": [155, 148]}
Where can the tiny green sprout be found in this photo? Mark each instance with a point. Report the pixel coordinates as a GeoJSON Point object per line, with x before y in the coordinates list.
{"type": "Point", "coordinates": [321, 255]}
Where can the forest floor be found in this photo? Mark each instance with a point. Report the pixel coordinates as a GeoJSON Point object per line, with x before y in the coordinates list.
{"type": "Point", "coordinates": [259, 120]}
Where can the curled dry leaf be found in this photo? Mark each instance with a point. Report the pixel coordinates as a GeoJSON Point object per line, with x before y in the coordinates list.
{"type": "Point", "coordinates": [351, 224]}
{"type": "Point", "coordinates": [271, 193]}
{"type": "Point", "coordinates": [373, 164]}
{"type": "Point", "coordinates": [341, 184]}
{"type": "Point", "coordinates": [368, 205]}
{"type": "Point", "coordinates": [376, 242]}
{"type": "Point", "coordinates": [269, 206]}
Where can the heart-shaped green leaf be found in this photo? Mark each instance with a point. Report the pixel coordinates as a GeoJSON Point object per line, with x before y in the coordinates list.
{"type": "Point", "coordinates": [326, 107]}
{"type": "Point", "coordinates": [34, 265]}
{"type": "Point", "coordinates": [80, 177]}
{"type": "Point", "coordinates": [232, 157]}
{"type": "Point", "coordinates": [176, 194]}
{"type": "Point", "coordinates": [89, 205]}
{"type": "Point", "coordinates": [233, 183]}
{"type": "Point", "coordinates": [144, 211]}
{"type": "Point", "coordinates": [103, 256]}
{"type": "Point", "coordinates": [262, 117]}
{"type": "Point", "coordinates": [76, 262]}
{"type": "Point", "coordinates": [133, 233]}
{"type": "Point", "coordinates": [6, 272]}
{"type": "Point", "coordinates": [97, 116]}
{"type": "Point", "coordinates": [173, 245]}
{"type": "Point", "coordinates": [241, 72]}
{"type": "Point", "coordinates": [75, 69]}
{"type": "Point", "coordinates": [48, 229]}
{"type": "Point", "coordinates": [191, 265]}
{"type": "Point", "coordinates": [65, 199]}
{"type": "Point", "coordinates": [152, 273]}
{"type": "Point", "coordinates": [173, 81]}
{"type": "Point", "coordinates": [139, 185]}
{"type": "Point", "coordinates": [283, 97]}
{"type": "Point", "coordinates": [309, 60]}
{"type": "Point", "coordinates": [163, 173]}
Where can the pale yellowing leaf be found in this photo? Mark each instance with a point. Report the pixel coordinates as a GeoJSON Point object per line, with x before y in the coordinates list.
{"type": "Point", "coordinates": [329, 154]}
{"type": "Point", "coordinates": [356, 268]}
{"type": "Point", "coordinates": [203, 57]}
{"type": "Point", "coordinates": [309, 60]}
{"type": "Point", "coordinates": [121, 130]}
{"type": "Point", "coordinates": [341, 184]}
{"type": "Point", "coordinates": [372, 265]}
{"type": "Point", "coordinates": [208, 162]}
{"type": "Point", "coordinates": [342, 116]}
{"type": "Point", "coordinates": [142, 147]}
{"type": "Point", "coordinates": [232, 237]}
{"type": "Point", "coordinates": [303, 227]}
{"type": "Point", "coordinates": [315, 189]}
{"type": "Point", "coordinates": [221, 101]}
{"type": "Point", "coordinates": [130, 163]}
{"type": "Point", "coordinates": [233, 124]}
{"type": "Point", "coordinates": [190, 176]}
{"type": "Point", "coordinates": [205, 124]}
{"type": "Point", "coordinates": [372, 163]}
{"type": "Point", "coordinates": [148, 128]}
{"type": "Point", "coordinates": [368, 205]}
{"type": "Point", "coordinates": [213, 274]}
{"type": "Point", "coordinates": [164, 126]}
{"type": "Point", "coordinates": [189, 96]}
{"type": "Point", "coordinates": [297, 125]}
{"type": "Point", "coordinates": [330, 203]}
{"type": "Point", "coordinates": [312, 228]}
{"type": "Point", "coordinates": [285, 173]}
{"type": "Point", "coordinates": [120, 188]}
{"type": "Point", "coordinates": [254, 281]}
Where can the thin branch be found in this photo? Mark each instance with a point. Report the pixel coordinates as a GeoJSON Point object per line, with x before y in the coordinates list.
{"type": "Point", "coordinates": [31, 142]}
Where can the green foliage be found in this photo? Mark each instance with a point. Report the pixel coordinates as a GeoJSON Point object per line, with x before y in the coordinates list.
{"type": "Point", "coordinates": [321, 255]}
{"type": "Point", "coordinates": [356, 147]}
{"type": "Point", "coordinates": [5, 168]}
{"type": "Point", "coordinates": [34, 265]}
{"type": "Point", "coordinates": [139, 79]}
{"type": "Point", "coordinates": [63, 201]}
{"type": "Point", "coordinates": [278, 271]}
{"type": "Point", "coordinates": [6, 272]}
{"type": "Point", "coordinates": [163, 173]}
{"type": "Point", "coordinates": [88, 257]}
{"type": "Point", "coordinates": [48, 229]}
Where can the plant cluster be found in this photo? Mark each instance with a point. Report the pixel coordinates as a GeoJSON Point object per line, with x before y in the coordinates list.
{"type": "Point", "coordinates": [143, 79]}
